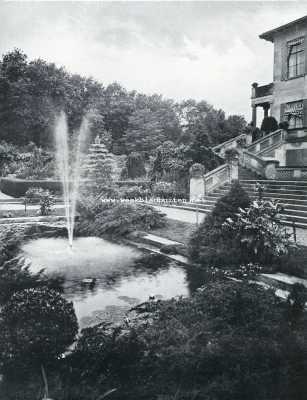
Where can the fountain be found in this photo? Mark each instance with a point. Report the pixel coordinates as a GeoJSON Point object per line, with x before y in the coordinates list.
{"type": "Point", "coordinates": [70, 175]}
{"type": "Point", "coordinates": [121, 276]}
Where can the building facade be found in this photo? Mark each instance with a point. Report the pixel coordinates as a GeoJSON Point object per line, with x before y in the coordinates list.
{"type": "Point", "coordinates": [286, 97]}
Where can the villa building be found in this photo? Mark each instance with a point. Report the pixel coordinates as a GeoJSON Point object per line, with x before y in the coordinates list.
{"type": "Point", "coordinates": [277, 160]}
{"type": "Point", "coordinates": [286, 97]}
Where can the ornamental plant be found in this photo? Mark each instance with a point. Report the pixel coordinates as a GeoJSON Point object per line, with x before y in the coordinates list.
{"type": "Point", "coordinates": [259, 233]}
{"type": "Point", "coordinates": [37, 326]}
{"type": "Point", "coordinates": [213, 246]}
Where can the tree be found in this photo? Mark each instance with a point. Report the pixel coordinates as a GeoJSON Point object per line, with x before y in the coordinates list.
{"type": "Point", "coordinates": [135, 165]}
{"type": "Point", "coordinates": [37, 326]}
{"type": "Point", "coordinates": [144, 132]}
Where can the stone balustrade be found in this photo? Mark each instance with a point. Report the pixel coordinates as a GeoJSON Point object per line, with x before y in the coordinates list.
{"type": "Point", "coordinates": [200, 186]}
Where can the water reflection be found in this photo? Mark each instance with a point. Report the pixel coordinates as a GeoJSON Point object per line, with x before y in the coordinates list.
{"type": "Point", "coordinates": [124, 276]}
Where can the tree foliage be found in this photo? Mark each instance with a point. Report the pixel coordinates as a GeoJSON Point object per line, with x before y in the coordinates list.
{"type": "Point", "coordinates": [33, 91]}
{"type": "Point", "coordinates": [135, 165]}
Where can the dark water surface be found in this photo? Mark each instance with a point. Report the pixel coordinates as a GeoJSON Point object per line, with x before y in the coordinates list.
{"type": "Point", "coordinates": [124, 276]}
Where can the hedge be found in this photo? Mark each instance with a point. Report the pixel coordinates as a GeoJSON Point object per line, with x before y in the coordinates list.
{"type": "Point", "coordinates": [18, 187]}
{"type": "Point", "coordinates": [145, 184]}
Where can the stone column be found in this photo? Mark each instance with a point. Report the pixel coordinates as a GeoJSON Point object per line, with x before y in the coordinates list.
{"type": "Point", "coordinates": [254, 110]}
{"type": "Point", "coordinates": [254, 115]}
{"type": "Point", "coordinates": [266, 108]}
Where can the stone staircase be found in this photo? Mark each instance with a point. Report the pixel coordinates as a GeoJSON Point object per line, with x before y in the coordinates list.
{"type": "Point", "coordinates": [292, 194]}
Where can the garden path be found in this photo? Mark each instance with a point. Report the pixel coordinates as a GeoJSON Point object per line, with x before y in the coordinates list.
{"type": "Point", "coordinates": [190, 217]}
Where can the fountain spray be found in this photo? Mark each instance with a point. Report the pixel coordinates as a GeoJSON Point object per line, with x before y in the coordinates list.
{"type": "Point", "coordinates": [70, 177]}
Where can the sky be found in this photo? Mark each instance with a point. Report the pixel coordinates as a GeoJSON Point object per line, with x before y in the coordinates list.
{"type": "Point", "coordinates": [201, 50]}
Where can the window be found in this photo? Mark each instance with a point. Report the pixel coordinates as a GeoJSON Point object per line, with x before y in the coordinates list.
{"type": "Point", "coordinates": [294, 113]}
{"type": "Point", "coordinates": [296, 58]}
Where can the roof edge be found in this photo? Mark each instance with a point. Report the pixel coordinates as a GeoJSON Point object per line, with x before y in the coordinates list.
{"type": "Point", "coordinates": [269, 35]}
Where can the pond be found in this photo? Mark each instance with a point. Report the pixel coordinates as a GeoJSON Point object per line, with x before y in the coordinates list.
{"type": "Point", "coordinates": [124, 275]}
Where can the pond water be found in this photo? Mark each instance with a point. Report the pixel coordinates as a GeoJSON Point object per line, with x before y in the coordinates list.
{"type": "Point", "coordinates": [124, 275]}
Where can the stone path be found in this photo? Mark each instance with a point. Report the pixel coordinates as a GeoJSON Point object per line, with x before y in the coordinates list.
{"type": "Point", "coordinates": [181, 215]}
{"type": "Point", "coordinates": [191, 217]}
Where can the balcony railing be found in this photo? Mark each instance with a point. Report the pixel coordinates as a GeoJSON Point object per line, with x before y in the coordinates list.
{"type": "Point", "coordinates": [262, 91]}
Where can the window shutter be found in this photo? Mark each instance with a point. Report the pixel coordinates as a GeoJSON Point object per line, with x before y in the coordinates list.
{"type": "Point", "coordinates": [305, 114]}
{"type": "Point", "coordinates": [282, 112]}
{"type": "Point", "coordinates": [284, 61]}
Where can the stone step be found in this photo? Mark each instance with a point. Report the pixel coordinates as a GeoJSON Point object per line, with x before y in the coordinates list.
{"type": "Point", "coordinates": [291, 196]}
{"type": "Point", "coordinates": [273, 182]}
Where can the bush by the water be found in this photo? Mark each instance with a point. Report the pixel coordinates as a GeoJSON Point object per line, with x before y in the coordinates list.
{"type": "Point", "coordinates": [15, 274]}
{"type": "Point", "coordinates": [37, 326]}
{"type": "Point", "coordinates": [97, 218]}
{"type": "Point", "coordinates": [230, 340]}
{"type": "Point", "coordinates": [210, 244]}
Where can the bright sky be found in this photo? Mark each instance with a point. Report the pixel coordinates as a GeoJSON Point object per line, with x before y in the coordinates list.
{"type": "Point", "coordinates": [201, 50]}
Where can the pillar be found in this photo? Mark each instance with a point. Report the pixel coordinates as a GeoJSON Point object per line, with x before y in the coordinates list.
{"type": "Point", "coordinates": [266, 108]}
{"type": "Point", "coordinates": [254, 115]}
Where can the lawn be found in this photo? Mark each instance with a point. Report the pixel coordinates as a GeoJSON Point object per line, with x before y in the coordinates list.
{"type": "Point", "coordinates": [176, 230]}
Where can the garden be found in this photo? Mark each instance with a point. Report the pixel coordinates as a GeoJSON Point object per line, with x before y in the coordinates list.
{"type": "Point", "coordinates": [213, 332]}
{"type": "Point", "coordinates": [108, 316]}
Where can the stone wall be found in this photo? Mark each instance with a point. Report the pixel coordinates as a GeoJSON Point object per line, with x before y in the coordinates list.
{"type": "Point", "coordinates": [286, 91]}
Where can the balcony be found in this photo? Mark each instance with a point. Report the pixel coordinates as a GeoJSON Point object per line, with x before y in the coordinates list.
{"type": "Point", "coordinates": [262, 94]}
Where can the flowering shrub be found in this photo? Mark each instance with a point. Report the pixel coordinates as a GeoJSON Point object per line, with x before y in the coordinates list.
{"type": "Point", "coordinates": [42, 197]}
{"type": "Point", "coordinates": [167, 190]}
{"type": "Point", "coordinates": [259, 231]}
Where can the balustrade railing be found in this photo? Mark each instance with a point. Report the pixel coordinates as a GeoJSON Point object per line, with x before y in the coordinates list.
{"type": "Point", "coordinates": [230, 144]}
{"type": "Point", "coordinates": [253, 162]}
{"type": "Point", "coordinates": [267, 142]}
{"type": "Point", "coordinates": [290, 173]}
{"type": "Point", "coordinates": [217, 177]}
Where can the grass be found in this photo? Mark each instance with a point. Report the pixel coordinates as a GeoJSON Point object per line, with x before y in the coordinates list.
{"type": "Point", "coordinates": [176, 230]}
{"type": "Point", "coordinates": [28, 213]}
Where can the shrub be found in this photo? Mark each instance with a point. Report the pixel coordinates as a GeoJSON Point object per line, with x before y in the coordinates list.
{"type": "Point", "coordinates": [228, 340]}
{"type": "Point", "coordinates": [116, 219]}
{"type": "Point", "coordinates": [167, 190]}
{"type": "Point", "coordinates": [231, 155]}
{"type": "Point", "coordinates": [259, 234]}
{"type": "Point", "coordinates": [42, 197]}
{"type": "Point", "coordinates": [135, 192]}
{"type": "Point", "coordinates": [269, 124]}
{"type": "Point", "coordinates": [37, 325]}
{"type": "Point", "coordinates": [209, 244]}
{"type": "Point", "coordinates": [46, 203]}
{"type": "Point", "coordinates": [18, 187]}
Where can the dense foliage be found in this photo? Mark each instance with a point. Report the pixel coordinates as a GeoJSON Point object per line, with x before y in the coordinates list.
{"type": "Point", "coordinates": [103, 218]}
{"type": "Point", "coordinates": [211, 245]}
{"type": "Point", "coordinates": [135, 165]}
{"type": "Point", "coordinates": [259, 234]}
{"type": "Point", "coordinates": [229, 340]}
{"type": "Point", "coordinates": [31, 92]}
{"type": "Point", "coordinates": [37, 326]}
{"type": "Point", "coordinates": [269, 124]}
{"type": "Point", "coordinates": [15, 274]}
